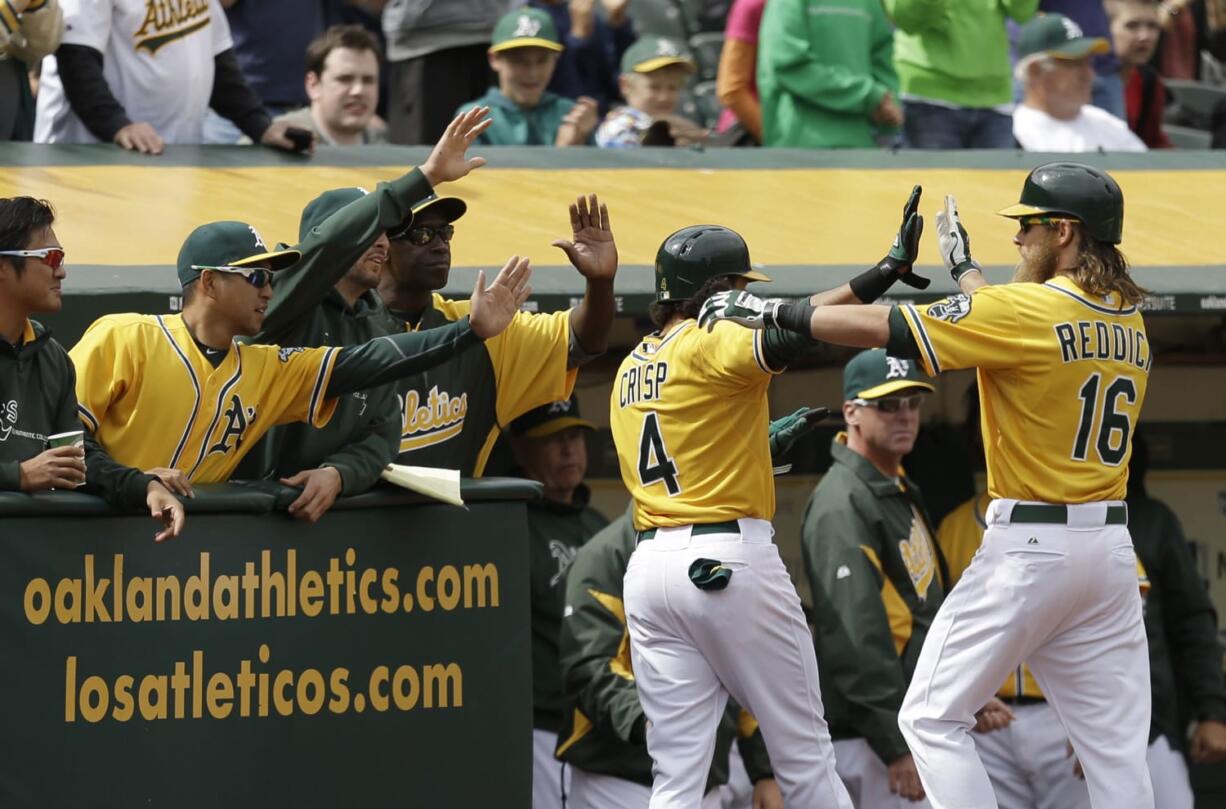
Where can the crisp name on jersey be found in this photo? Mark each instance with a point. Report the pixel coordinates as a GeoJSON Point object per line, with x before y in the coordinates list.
{"type": "Point", "coordinates": [642, 383]}
{"type": "Point", "coordinates": [1097, 340]}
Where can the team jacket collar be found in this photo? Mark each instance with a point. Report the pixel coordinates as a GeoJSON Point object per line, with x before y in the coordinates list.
{"type": "Point", "coordinates": [863, 468]}
{"type": "Point", "coordinates": [33, 337]}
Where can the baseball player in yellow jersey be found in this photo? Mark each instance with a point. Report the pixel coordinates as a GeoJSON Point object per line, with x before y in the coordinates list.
{"type": "Point", "coordinates": [1063, 362]}
{"type": "Point", "coordinates": [176, 393]}
{"type": "Point", "coordinates": [710, 607]}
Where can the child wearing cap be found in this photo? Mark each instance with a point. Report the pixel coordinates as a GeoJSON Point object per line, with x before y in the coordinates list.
{"type": "Point", "coordinates": [655, 71]}
{"type": "Point", "coordinates": [524, 53]}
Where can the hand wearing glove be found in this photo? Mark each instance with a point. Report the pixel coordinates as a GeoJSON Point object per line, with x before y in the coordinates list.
{"type": "Point", "coordinates": [785, 432]}
{"type": "Point", "coordinates": [897, 265]}
{"type": "Point", "coordinates": [954, 242]}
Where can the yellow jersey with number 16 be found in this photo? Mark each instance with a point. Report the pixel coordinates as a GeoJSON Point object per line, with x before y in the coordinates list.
{"type": "Point", "coordinates": [1062, 378]}
{"type": "Point", "coordinates": [689, 417]}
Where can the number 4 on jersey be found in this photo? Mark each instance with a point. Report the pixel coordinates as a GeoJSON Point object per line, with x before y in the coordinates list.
{"type": "Point", "coordinates": [655, 465]}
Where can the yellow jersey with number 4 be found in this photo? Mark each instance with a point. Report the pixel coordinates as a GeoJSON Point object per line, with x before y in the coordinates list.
{"type": "Point", "coordinates": [689, 417]}
{"type": "Point", "coordinates": [1062, 377]}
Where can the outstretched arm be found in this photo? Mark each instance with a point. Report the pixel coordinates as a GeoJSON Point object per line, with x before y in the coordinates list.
{"type": "Point", "coordinates": [593, 253]}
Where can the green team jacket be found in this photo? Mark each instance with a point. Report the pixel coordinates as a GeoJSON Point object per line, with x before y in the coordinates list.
{"type": "Point", "coordinates": [827, 67]}
{"type": "Point", "coordinates": [556, 531]}
{"type": "Point", "coordinates": [878, 580]}
{"type": "Point", "coordinates": [521, 126]}
{"type": "Point", "coordinates": [306, 310]}
{"type": "Point", "coordinates": [956, 51]}
{"type": "Point", "coordinates": [603, 728]}
{"type": "Point", "coordinates": [38, 398]}
{"type": "Point", "coordinates": [1185, 658]}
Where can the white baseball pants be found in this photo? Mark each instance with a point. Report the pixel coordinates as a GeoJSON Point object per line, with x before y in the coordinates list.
{"type": "Point", "coordinates": [1029, 762]}
{"type": "Point", "coordinates": [738, 792]}
{"type": "Point", "coordinates": [549, 779]}
{"type": "Point", "coordinates": [589, 790]}
{"type": "Point", "coordinates": [867, 778]}
{"type": "Point", "coordinates": [1064, 599]}
{"type": "Point", "coordinates": [692, 648]}
{"type": "Point", "coordinates": [1169, 773]}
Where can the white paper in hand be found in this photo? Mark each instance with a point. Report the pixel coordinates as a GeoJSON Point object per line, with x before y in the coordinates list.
{"type": "Point", "coordinates": [441, 484]}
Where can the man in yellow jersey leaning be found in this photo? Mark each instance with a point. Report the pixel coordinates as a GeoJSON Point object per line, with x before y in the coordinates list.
{"type": "Point", "coordinates": [1063, 362]}
{"type": "Point", "coordinates": [710, 608]}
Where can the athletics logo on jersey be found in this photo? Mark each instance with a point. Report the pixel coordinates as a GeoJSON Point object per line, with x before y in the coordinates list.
{"type": "Point", "coordinates": [440, 418]}
{"type": "Point", "coordinates": [952, 309]}
{"type": "Point", "coordinates": [563, 554]}
{"type": "Point", "coordinates": [238, 418]}
{"type": "Point", "coordinates": [284, 354]}
{"type": "Point", "coordinates": [165, 22]}
{"type": "Point", "coordinates": [917, 556]}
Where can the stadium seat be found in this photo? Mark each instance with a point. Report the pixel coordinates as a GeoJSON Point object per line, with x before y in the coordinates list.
{"type": "Point", "coordinates": [659, 17]}
{"type": "Point", "coordinates": [707, 48]}
{"type": "Point", "coordinates": [1196, 101]}
{"type": "Point", "coordinates": [702, 16]}
{"type": "Point", "coordinates": [707, 103]}
{"type": "Point", "coordinates": [1183, 137]}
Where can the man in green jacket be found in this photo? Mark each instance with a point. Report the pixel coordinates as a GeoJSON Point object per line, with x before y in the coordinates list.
{"type": "Point", "coordinates": [328, 299]}
{"type": "Point", "coordinates": [550, 446]}
{"type": "Point", "coordinates": [953, 62]}
{"type": "Point", "coordinates": [877, 578]}
{"type": "Point", "coordinates": [826, 74]}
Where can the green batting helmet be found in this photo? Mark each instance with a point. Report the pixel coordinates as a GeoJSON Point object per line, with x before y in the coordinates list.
{"type": "Point", "coordinates": [1082, 192]}
{"type": "Point", "coordinates": [690, 257]}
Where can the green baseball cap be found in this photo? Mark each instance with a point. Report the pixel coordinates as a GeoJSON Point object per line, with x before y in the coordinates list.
{"type": "Point", "coordinates": [872, 374]}
{"type": "Point", "coordinates": [526, 28]}
{"type": "Point", "coordinates": [652, 53]}
{"type": "Point", "coordinates": [549, 419]}
{"type": "Point", "coordinates": [1057, 36]}
{"type": "Point", "coordinates": [229, 244]}
{"type": "Point", "coordinates": [452, 208]}
{"type": "Point", "coordinates": [323, 206]}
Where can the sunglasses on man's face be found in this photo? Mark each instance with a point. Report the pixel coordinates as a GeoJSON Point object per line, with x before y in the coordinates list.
{"type": "Point", "coordinates": [1026, 222]}
{"type": "Point", "coordinates": [53, 257]}
{"type": "Point", "coordinates": [422, 235]}
{"type": "Point", "coordinates": [892, 404]}
{"type": "Point", "coordinates": [258, 277]}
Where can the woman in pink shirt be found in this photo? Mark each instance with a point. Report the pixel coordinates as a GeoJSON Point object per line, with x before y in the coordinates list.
{"type": "Point", "coordinates": [736, 82]}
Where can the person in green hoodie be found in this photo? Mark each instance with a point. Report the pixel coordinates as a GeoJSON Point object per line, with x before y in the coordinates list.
{"type": "Point", "coordinates": [38, 399]}
{"type": "Point", "coordinates": [952, 58]}
{"type": "Point", "coordinates": [550, 446]}
{"type": "Point", "coordinates": [826, 74]}
{"type": "Point", "coordinates": [524, 54]}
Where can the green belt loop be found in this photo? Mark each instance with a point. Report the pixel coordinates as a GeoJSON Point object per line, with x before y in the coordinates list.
{"type": "Point", "coordinates": [727, 527]}
{"type": "Point", "coordinates": [1058, 515]}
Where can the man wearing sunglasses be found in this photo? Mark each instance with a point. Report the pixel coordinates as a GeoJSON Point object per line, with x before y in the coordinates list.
{"type": "Point", "coordinates": [1063, 363]}
{"type": "Point", "coordinates": [328, 299]}
{"type": "Point", "coordinates": [38, 399]}
{"type": "Point", "coordinates": [176, 393]}
{"type": "Point", "coordinates": [453, 414]}
{"type": "Point", "coordinates": [877, 578]}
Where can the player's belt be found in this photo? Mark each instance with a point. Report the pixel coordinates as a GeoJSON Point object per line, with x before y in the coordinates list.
{"type": "Point", "coordinates": [1058, 515]}
{"type": "Point", "coordinates": [729, 527]}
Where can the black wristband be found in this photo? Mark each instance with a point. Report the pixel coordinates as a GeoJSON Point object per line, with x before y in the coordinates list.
{"type": "Point", "coordinates": [796, 316]}
{"type": "Point", "coordinates": [874, 282]}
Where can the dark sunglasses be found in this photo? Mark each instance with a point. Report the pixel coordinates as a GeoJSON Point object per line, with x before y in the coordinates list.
{"type": "Point", "coordinates": [53, 257]}
{"type": "Point", "coordinates": [892, 404]}
{"type": "Point", "coordinates": [1026, 222]}
{"type": "Point", "coordinates": [258, 277]}
{"type": "Point", "coordinates": [422, 235]}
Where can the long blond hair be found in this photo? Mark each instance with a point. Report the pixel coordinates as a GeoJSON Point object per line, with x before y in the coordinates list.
{"type": "Point", "coordinates": [1103, 270]}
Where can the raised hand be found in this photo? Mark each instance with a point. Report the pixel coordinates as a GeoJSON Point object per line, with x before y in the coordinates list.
{"type": "Point", "coordinates": [494, 307]}
{"type": "Point", "coordinates": [591, 249]}
{"type": "Point", "coordinates": [449, 160]}
{"type": "Point", "coordinates": [905, 248]}
{"type": "Point", "coordinates": [955, 244]}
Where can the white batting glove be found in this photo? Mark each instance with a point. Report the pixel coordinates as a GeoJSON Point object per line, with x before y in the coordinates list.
{"type": "Point", "coordinates": [955, 244]}
{"type": "Point", "coordinates": [742, 308]}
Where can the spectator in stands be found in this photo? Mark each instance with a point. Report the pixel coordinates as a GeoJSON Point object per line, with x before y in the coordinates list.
{"type": "Point", "coordinates": [655, 71]}
{"type": "Point", "coordinates": [144, 77]}
{"type": "Point", "coordinates": [454, 415]}
{"type": "Point", "coordinates": [436, 52]}
{"type": "Point", "coordinates": [953, 64]}
{"type": "Point", "coordinates": [827, 80]}
{"type": "Point", "coordinates": [1091, 18]}
{"type": "Point", "coordinates": [594, 45]}
{"type": "Point", "coordinates": [39, 382]}
{"type": "Point", "coordinates": [29, 30]}
{"type": "Point", "coordinates": [1055, 114]}
{"type": "Point", "coordinates": [342, 81]}
{"type": "Point", "coordinates": [1185, 658]}
{"type": "Point", "coordinates": [550, 446]}
{"type": "Point", "coordinates": [1135, 29]}
{"type": "Point", "coordinates": [269, 37]}
{"type": "Point", "coordinates": [1188, 28]}
{"type": "Point", "coordinates": [736, 83]}
{"type": "Point", "coordinates": [524, 53]}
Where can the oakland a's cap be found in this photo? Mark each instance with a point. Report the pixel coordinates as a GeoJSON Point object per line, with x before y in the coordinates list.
{"type": "Point", "coordinates": [451, 208]}
{"type": "Point", "coordinates": [1057, 36]}
{"type": "Point", "coordinates": [652, 53]}
{"type": "Point", "coordinates": [549, 419]}
{"type": "Point", "coordinates": [323, 206]}
{"type": "Point", "coordinates": [526, 28]}
{"type": "Point", "coordinates": [229, 244]}
{"type": "Point", "coordinates": [872, 374]}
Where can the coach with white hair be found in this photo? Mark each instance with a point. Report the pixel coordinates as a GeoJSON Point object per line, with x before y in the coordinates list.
{"type": "Point", "coordinates": [1055, 114]}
